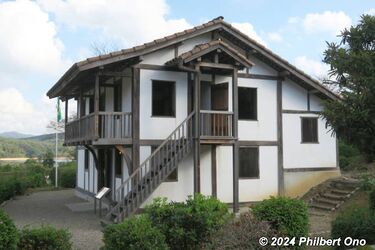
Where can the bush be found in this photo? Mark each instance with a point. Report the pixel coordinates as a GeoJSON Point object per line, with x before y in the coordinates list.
{"type": "Point", "coordinates": [356, 223]}
{"type": "Point", "coordinates": [8, 232]}
{"type": "Point", "coordinates": [45, 238]}
{"type": "Point", "coordinates": [372, 200]}
{"type": "Point", "coordinates": [367, 182]}
{"type": "Point", "coordinates": [242, 233]}
{"type": "Point", "coordinates": [133, 234]}
{"type": "Point", "coordinates": [287, 216]}
{"type": "Point", "coordinates": [350, 157]}
{"type": "Point", "coordinates": [187, 225]}
{"type": "Point", "coordinates": [67, 175]}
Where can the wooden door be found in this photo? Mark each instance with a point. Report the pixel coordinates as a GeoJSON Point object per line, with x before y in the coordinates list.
{"type": "Point", "coordinates": [219, 102]}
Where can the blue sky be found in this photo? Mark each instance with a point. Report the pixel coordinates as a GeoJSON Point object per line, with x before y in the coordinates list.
{"type": "Point", "coordinates": [41, 39]}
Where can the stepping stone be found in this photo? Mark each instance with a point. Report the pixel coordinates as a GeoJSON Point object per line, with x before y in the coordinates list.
{"type": "Point", "coordinates": [322, 206]}
{"type": "Point", "coordinates": [334, 196]}
{"type": "Point", "coordinates": [327, 201]}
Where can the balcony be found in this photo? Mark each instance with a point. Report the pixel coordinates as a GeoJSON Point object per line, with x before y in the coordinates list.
{"type": "Point", "coordinates": [216, 126]}
{"type": "Point", "coordinates": [106, 128]}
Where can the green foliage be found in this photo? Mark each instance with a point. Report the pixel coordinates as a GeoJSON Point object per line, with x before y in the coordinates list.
{"type": "Point", "coordinates": [242, 233]}
{"type": "Point", "coordinates": [350, 158]}
{"type": "Point", "coordinates": [187, 225]}
{"type": "Point", "coordinates": [372, 200]}
{"type": "Point", "coordinates": [367, 182]}
{"type": "Point", "coordinates": [357, 223]}
{"type": "Point", "coordinates": [45, 238]}
{"type": "Point", "coordinates": [287, 216]}
{"type": "Point", "coordinates": [133, 234]}
{"type": "Point", "coordinates": [352, 64]}
{"type": "Point", "coordinates": [8, 232]}
{"type": "Point", "coordinates": [66, 175]}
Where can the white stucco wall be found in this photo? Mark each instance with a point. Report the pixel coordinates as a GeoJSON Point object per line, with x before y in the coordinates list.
{"type": "Point", "coordinates": [294, 96]}
{"type": "Point", "coordinates": [261, 68]}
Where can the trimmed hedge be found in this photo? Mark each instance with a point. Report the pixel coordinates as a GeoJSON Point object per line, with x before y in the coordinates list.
{"type": "Point", "coordinates": [356, 223]}
{"type": "Point", "coordinates": [8, 232]}
{"type": "Point", "coordinates": [188, 225]}
{"type": "Point", "coordinates": [45, 238]}
{"type": "Point", "coordinates": [133, 234]}
{"type": "Point", "coordinates": [286, 215]}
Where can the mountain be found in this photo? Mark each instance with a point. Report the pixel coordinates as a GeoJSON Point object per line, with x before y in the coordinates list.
{"type": "Point", "coordinates": [45, 137]}
{"type": "Point", "coordinates": [14, 135]}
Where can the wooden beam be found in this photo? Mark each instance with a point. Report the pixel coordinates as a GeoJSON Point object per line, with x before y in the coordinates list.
{"type": "Point", "coordinates": [258, 143]}
{"type": "Point", "coordinates": [213, 171]}
{"type": "Point", "coordinates": [66, 110]}
{"type": "Point", "coordinates": [258, 76]}
{"type": "Point", "coordinates": [235, 145]}
{"type": "Point", "coordinates": [96, 106]}
{"type": "Point", "coordinates": [280, 157]}
{"type": "Point", "coordinates": [196, 149]}
{"type": "Point", "coordinates": [216, 65]}
{"type": "Point", "coordinates": [135, 117]}
{"type": "Point", "coordinates": [289, 111]}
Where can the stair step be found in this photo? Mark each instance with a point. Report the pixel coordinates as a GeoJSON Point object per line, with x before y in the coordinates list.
{"type": "Point", "coordinates": [334, 196]}
{"type": "Point", "coordinates": [342, 192]}
{"type": "Point", "coordinates": [322, 206]}
{"type": "Point", "coordinates": [327, 201]}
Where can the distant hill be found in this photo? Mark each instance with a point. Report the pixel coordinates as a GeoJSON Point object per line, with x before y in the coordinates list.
{"type": "Point", "coordinates": [45, 137]}
{"type": "Point", "coordinates": [14, 135]}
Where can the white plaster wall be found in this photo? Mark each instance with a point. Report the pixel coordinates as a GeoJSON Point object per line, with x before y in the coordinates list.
{"type": "Point", "coordinates": [294, 96]}
{"type": "Point", "coordinates": [161, 127]}
{"type": "Point", "coordinates": [265, 128]}
{"type": "Point", "coordinates": [306, 155]}
{"type": "Point", "coordinates": [81, 168]}
{"type": "Point", "coordinates": [159, 57]}
{"type": "Point", "coordinates": [191, 43]}
{"type": "Point", "coordinates": [315, 103]}
{"type": "Point", "coordinates": [249, 189]}
{"type": "Point", "coordinates": [261, 68]}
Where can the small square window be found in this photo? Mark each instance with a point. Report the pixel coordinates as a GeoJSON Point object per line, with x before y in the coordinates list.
{"type": "Point", "coordinates": [247, 103]}
{"type": "Point", "coordinates": [249, 162]}
{"type": "Point", "coordinates": [163, 98]}
{"type": "Point", "coordinates": [309, 129]}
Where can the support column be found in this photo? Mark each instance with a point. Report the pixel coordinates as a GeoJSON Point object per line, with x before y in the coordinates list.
{"type": "Point", "coordinates": [196, 150]}
{"type": "Point", "coordinates": [96, 106]}
{"type": "Point", "coordinates": [280, 158]}
{"type": "Point", "coordinates": [213, 171]}
{"type": "Point", "coordinates": [235, 144]}
{"type": "Point", "coordinates": [135, 118]}
{"type": "Point", "coordinates": [66, 110]}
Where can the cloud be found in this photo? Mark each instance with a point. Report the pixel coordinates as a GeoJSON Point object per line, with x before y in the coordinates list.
{"type": "Point", "coordinates": [328, 21]}
{"type": "Point", "coordinates": [312, 67]}
{"type": "Point", "coordinates": [130, 22]}
{"type": "Point", "coordinates": [249, 30]}
{"type": "Point", "coordinates": [275, 37]}
{"type": "Point", "coordinates": [293, 20]}
{"type": "Point", "coordinates": [371, 12]}
{"type": "Point", "coordinates": [28, 40]}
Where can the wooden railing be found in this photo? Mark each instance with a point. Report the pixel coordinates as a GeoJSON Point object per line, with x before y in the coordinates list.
{"type": "Point", "coordinates": [106, 125]}
{"type": "Point", "coordinates": [216, 124]}
{"type": "Point", "coordinates": [153, 171]}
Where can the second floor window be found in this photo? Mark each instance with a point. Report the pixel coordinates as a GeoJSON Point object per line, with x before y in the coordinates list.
{"type": "Point", "coordinates": [247, 103]}
{"type": "Point", "coordinates": [163, 98]}
{"type": "Point", "coordinates": [309, 129]}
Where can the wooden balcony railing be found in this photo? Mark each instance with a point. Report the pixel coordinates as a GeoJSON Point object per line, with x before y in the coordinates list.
{"type": "Point", "coordinates": [216, 124]}
{"type": "Point", "coordinates": [105, 125]}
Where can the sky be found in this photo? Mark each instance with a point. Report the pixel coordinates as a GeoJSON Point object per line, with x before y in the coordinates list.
{"type": "Point", "coordinates": [40, 40]}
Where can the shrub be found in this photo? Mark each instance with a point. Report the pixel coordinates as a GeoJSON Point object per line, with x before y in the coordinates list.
{"type": "Point", "coordinates": [372, 200]}
{"type": "Point", "coordinates": [45, 238]}
{"type": "Point", "coordinates": [8, 232]}
{"type": "Point", "coordinates": [356, 223]}
{"type": "Point", "coordinates": [367, 182]}
{"type": "Point", "coordinates": [242, 233]}
{"type": "Point", "coordinates": [187, 225]}
{"type": "Point", "coordinates": [287, 216]}
{"type": "Point", "coordinates": [133, 234]}
{"type": "Point", "coordinates": [67, 175]}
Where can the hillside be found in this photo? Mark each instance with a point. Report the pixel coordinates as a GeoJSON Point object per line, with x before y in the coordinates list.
{"type": "Point", "coordinates": [10, 148]}
{"type": "Point", "coordinates": [14, 135]}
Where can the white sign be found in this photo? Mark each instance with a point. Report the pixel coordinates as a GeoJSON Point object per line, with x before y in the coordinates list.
{"type": "Point", "coordinates": [102, 192]}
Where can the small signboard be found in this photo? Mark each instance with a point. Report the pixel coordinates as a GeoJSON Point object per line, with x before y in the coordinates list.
{"type": "Point", "coordinates": [102, 192]}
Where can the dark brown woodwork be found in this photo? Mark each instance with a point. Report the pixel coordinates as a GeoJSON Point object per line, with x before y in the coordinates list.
{"type": "Point", "coordinates": [235, 145]}
{"type": "Point", "coordinates": [135, 120]}
{"type": "Point", "coordinates": [213, 171]}
{"type": "Point", "coordinates": [280, 157]}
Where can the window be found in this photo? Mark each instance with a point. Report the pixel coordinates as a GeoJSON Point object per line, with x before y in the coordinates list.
{"type": "Point", "coordinates": [163, 98]}
{"type": "Point", "coordinates": [309, 129]}
{"type": "Point", "coordinates": [91, 105]}
{"type": "Point", "coordinates": [247, 103]}
{"type": "Point", "coordinates": [82, 107]}
{"type": "Point", "coordinates": [173, 177]}
{"type": "Point", "coordinates": [249, 162]}
{"type": "Point", "coordinates": [86, 160]}
{"type": "Point", "coordinates": [118, 163]}
{"type": "Point", "coordinates": [102, 94]}
{"type": "Point", "coordinates": [117, 100]}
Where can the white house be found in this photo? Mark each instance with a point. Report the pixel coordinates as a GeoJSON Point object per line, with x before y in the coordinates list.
{"type": "Point", "coordinates": [205, 110]}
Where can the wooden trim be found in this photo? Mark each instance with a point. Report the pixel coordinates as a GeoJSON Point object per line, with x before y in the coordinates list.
{"type": "Point", "coordinates": [236, 144]}
{"type": "Point", "coordinates": [258, 143]}
{"type": "Point", "coordinates": [196, 149]}
{"type": "Point", "coordinates": [150, 142]}
{"type": "Point", "coordinates": [135, 118]}
{"type": "Point", "coordinates": [96, 105]}
{"type": "Point", "coordinates": [213, 171]}
{"type": "Point", "coordinates": [289, 111]}
{"type": "Point", "coordinates": [280, 157]}
{"type": "Point", "coordinates": [216, 65]}
{"type": "Point", "coordinates": [308, 101]}
{"type": "Point", "coordinates": [158, 67]}
{"type": "Point", "coordinates": [258, 76]}
{"type": "Point", "coordinates": [294, 170]}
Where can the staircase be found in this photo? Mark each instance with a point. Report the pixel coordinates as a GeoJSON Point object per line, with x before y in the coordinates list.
{"type": "Point", "coordinates": [152, 172]}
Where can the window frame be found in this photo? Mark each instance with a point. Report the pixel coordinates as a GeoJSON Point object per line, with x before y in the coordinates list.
{"type": "Point", "coordinates": [256, 104]}
{"type": "Point", "coordinates": [173, 101]}
{"type": "Point", "coordinates": [317, 129]}
{"type": "Point", "coordinates": [257, 163]}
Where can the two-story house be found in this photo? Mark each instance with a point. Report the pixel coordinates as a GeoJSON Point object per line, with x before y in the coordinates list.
{"type": "Point", "coordinates": [205, 110]}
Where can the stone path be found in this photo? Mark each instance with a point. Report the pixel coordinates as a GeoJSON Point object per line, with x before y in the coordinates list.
{"type": "Point", "coordinates": [55, 208]}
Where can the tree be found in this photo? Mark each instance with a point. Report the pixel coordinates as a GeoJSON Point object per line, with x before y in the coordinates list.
{"type": "Point", "coordinates": [352, 63]}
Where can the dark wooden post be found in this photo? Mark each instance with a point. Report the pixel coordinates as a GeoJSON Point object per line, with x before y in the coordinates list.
{"type": "Point", "coordinates": [235, 144]}
{"type": "Point", "coordinates": [96, 106]}
{"type": "Point", "coordinates": [66, 110]}
{"type": "Point", "coordinates": [280, 158]}
{"type": "Point", "coordinates": [135, 117]}
{"type": "Point", "coordinates": [197, 131]}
